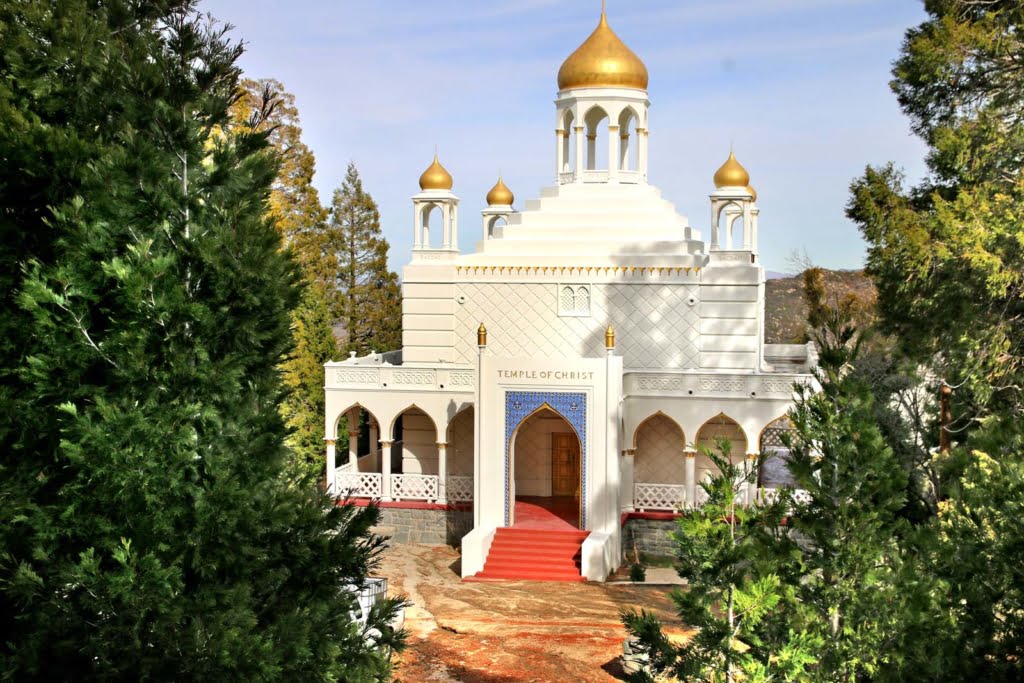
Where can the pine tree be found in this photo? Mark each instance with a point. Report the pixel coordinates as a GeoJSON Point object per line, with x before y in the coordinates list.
{"type": "Point", "coordinates": [152, 527]}
{"type": "Point", "coordinates": [371, 306]}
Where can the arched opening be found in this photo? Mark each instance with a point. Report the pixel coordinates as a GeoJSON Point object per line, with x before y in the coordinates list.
{"type": "Point", "coordinates": [596, 123]}
{"type": "Point", "coordinates": [659, 472]}
{"type": "Point", "coordinates": [357, 454]}
{"type": "Point", "coordinates": [730, 226]}
{"type": "Point", "coordinates": [774, 471]}
{"type": "Point", "coordinates": [629, 143]}
{"type": "Point", "coordinates": [568, 143]}
{"type": "Point", "coordinates": [496, 226]}
{"type": "Point", "coordinates": [547, 476]}
{"type": "Point", "coordinates": [432, 225]}
{"type": "Point", "coordinates": [414, 443]}
{"type": "Point", "coordinates": [710, 434]}
{"type": "Point", "coordinates": [459, 437]}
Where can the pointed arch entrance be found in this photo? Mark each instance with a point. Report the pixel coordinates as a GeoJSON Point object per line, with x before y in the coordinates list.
{"type": "Point", "coordinates": [545, 454]}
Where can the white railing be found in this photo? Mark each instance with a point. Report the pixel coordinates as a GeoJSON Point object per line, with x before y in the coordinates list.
{"type": "Point", "coordinates": [659, 496]}
{"type": "Point", "coordinates": [414, 487]}
{"type": "Point", "coordinates": [357, 484]}
{"type": "Point", "coordinates": [460, 489]}
{"type": "Point", "coordinates": [672, 497]}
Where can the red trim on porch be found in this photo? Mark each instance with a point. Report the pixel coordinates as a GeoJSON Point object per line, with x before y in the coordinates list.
{"type": "Point", "coordinates": [406, 504]}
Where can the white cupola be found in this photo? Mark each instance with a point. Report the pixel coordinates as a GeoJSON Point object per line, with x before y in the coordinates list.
{"type": "Point", "coordinates": [435, 197]}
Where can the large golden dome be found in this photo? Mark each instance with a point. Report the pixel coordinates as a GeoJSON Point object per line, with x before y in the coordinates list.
{"type": "Point", "coordinates": [436, 177]}
{"type": "Point", "coordinates": [500, 195]}
{"type": "Point", "coordinates": [732, 173]}
{"type": "Point", "coordinates": [602, 61]}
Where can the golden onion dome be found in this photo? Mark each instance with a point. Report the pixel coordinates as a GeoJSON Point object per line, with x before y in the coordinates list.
{"type": "Point", "coordinates": [602, 61]}
{"type": "Point", "coordinates": [436, 177]}
{"type": "Point", "coordinates": [732, 173]}
{"type": "Point", "coordinates": [500, 195]}
{"type": "Point", "coordinates": [753, 193]}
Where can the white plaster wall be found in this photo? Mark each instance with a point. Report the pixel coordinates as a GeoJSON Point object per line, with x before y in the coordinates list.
{"type": "Point", "coordinates": [655, 325]}
{"type": "Point", "coordinates": [419, 443]}
{"type": "Point", "coordinates": [659, 455]}
{"type": "Point", "coordinates": [460, 444]}
{"type": "Point", "coordinates": [533, 453]}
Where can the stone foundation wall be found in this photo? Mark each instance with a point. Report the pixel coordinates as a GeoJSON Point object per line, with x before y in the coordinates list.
{"type": "Point", "coordinates": [651, 537]}
{"type": "Point", "coordinates": [435, 527]}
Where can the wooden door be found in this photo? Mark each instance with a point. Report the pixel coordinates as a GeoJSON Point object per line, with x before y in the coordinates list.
{"type": "Point", "coordinates": [565, 465]}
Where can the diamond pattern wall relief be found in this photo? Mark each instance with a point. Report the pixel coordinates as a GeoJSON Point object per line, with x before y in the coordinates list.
{"type": "Point", "coordinates": [654, 326]}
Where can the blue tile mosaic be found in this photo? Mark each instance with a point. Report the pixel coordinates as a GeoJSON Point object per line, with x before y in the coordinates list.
{"type": "Point", "coordinates": [570, 405]}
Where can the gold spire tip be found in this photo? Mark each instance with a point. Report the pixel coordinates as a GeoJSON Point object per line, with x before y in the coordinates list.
{"type": "Point", "coordinates": [609, 338]}
{"type": "Point", "coordinates": [481, 335]}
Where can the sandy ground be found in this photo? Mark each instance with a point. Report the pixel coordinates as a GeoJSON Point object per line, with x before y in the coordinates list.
{"type": "Point", "coordinates": [510, 631]}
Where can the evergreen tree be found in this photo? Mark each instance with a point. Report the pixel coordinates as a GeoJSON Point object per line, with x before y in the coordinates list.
{"type": "Point", "coordinates": [152, 528]}
{"type": "Point", "coordinates": [295, 210]}
{"type": "Point", "coordinates": [371, 307]}
{"type": "Point", "coordinates": [947, 258]}
{"type": "Point", "coordinates": [303, 407]}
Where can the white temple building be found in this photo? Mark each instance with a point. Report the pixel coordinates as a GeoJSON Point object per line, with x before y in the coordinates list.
{"type": "Point", "coordinates": [579, 357]}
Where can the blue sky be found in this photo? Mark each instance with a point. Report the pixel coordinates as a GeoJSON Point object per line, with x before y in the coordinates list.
{"type": "Point", "coordinates": [800, 87]}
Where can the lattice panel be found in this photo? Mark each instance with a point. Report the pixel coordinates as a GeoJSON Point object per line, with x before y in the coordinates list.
{"type": "Point", "coordinates": [460, 444]}
{"type": "Point", "coordinates": [658, 497]}
{"type": "Point", "coordinates": [414, 486]}
{"type": "Point", "coordinates": [358, 484]}
{"type": "Point", "coordinates": [655, 327]}
{"type": "Point", "coordinates": [460, 489]}
{"type": "Point", "coordinates": [659, 452]}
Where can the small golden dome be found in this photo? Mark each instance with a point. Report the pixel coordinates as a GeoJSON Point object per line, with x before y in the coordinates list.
{"type": "Point", "coordinates": [753, 193]}
{"type": "Point", "coordinates": [500, 195]}
{"type": "Point", "coordinates": [732, 173]}
{"type": "Point", "coordinates": [436, 177]}
{"type": "Point", "coordinates": [602, 61]}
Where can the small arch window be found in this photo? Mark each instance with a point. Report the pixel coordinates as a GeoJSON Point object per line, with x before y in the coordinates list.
{"type": "Point", "coordinates": [574, 300]}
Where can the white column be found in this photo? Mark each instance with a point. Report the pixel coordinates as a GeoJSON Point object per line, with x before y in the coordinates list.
{"type": "Point", "coordinates": [385, 470]}
{"type": "Point", "coordinates": [614, 149]}
{"type": "Point", "coordinates": [353, 445]}
{"type": "Point", "coordinates": [442, 473]}
{"type": "Point", "coordinates": [691, 477]}
{"type": "Point", "coordinates": [446, 234]}
{"type": "Point", "coordinates": [374, 436]}
{"type": "Point", "coordinates": [641, 152]}
{"type": "Point", "coordinates": [753, 229]}
{"type": "Point", "coordinates": [417, 230]}
{"type": "Point", "coordinates": [559, 155]}
{"type": "Point", "coordinates": [579, 154]}
{"type": "Point", "coordinates": [591, 151]}
{"type": "Point", "coordinates": [751, 486]}
{"type": "Point", "coordinates": [453, 236]}
{"type": "Point", "coordinates": [331, 467]}
{"type": "Point", "coordinates": [714, 226]}
{"type": "Point", "coordinates": [628, 482]}
{"type": "Point", "coordinates": [477, 454]}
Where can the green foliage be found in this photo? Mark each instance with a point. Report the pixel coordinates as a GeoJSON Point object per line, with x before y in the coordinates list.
{"type": "Point", "coordinates": [371, 305]}
{"type": "Point", "coordinates": [264, 106]}
{"type": "Point", "coordinates": [152, 526]}
{"type": "Point", "coordinates": [637, 572]}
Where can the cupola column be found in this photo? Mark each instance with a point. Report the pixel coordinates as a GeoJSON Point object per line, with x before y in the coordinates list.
{"type": "Point", "coordinates": [559, 152]}
{"type": "Point", "coordinates": [641, 152]}
{"type": "Point", "coordinates": [579, 155]}
{"type": "Point", "coordinates": [614, 151]}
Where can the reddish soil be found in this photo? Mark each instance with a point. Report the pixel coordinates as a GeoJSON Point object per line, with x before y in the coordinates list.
{"type": "Point", "coordinates": [510, 631]}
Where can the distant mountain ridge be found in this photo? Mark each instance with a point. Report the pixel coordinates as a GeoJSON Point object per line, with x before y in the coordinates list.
{"type": "Point", "coordinates": [786, 313]}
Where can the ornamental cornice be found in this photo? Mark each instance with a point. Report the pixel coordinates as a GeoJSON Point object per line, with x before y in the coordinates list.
{"type": "Point", "coordinates": [630, 271]}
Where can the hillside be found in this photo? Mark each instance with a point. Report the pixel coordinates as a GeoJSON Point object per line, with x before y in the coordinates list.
{"type": "Point", "coordinates": [786, 313]}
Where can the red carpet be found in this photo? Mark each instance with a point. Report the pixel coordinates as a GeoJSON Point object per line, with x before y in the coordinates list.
{"type": "Point", "coordinates": [542, 545]}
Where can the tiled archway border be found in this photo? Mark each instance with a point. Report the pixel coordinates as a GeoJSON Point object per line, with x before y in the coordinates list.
{"type": "Point", "coordinates": [571, 406]}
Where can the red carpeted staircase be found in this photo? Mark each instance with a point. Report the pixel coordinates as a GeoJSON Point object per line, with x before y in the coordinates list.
{"type": "Point", "coordinates": [533, 555]}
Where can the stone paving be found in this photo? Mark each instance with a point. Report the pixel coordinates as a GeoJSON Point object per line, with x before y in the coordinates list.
{"type": "Point", "coordinates": [510, 631]}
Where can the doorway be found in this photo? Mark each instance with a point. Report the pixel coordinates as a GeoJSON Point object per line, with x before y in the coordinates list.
{"type": "Point", "coordinates": [546, 479]}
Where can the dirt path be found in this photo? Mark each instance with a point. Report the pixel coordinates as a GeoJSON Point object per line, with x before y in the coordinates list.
{"type": "Point", "coordinates": [510, 631]}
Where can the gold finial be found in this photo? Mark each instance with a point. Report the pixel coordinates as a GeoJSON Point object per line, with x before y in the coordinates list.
{"type": "Point", "coordinates": [481, 335]}
{"type": "Point", "coordinates": [436, 177]}
{"type": "Point", "coordinates": [603, 61]}
{"type": "Point", "coordinates": [609, 338]}
{"type": "Point", "coordinates": [731, 173]}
